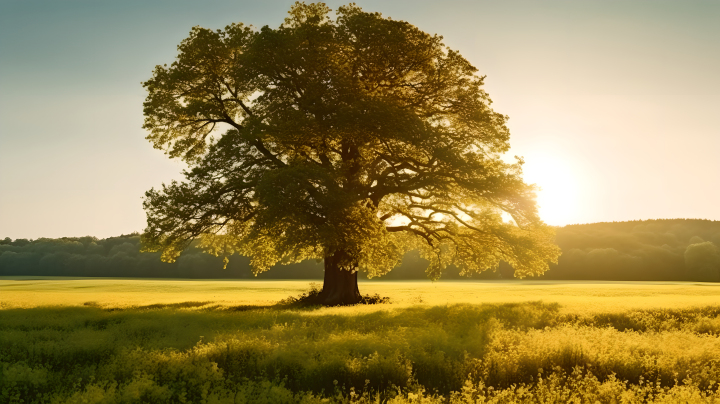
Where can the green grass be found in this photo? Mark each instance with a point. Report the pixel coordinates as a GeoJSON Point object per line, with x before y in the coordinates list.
{"type": "Point", "coordinates": [202, 350]}
{"type": "Point", "coordinates": [576, 296]}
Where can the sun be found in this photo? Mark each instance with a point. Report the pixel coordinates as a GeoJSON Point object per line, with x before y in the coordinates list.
{"type": "Point", "coordinates": [559, 183]}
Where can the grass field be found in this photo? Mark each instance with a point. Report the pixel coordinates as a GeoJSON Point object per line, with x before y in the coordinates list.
{"type": "Point", "coordinates": [18, 292]}
{"type": "Point", "coordinates": [126, 341]}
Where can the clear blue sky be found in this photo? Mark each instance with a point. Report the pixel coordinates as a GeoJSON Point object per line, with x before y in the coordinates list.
{"type": "Point", "coordinates": [613, 104]}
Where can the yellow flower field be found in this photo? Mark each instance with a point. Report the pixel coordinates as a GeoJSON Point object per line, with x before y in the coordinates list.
{"type": "Point", "coordinates": [585, 296]}
{"type": "Point", "coordinates": [168, 341]}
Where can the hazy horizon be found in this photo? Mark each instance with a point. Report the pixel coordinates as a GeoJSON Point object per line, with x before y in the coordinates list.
{"type": "Point", "coordinates": [611, 104]}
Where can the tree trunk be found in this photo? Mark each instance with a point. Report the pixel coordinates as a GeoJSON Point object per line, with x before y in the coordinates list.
{"type": "Point", "coordinates": [340, 286]}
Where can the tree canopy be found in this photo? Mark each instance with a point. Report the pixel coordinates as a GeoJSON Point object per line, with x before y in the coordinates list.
{"type": "Point", "coordinates": [353, 139]}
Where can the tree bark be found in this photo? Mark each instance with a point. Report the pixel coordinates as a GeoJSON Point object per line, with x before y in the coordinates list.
{"type": "Point", "coordinates": [340, 286]}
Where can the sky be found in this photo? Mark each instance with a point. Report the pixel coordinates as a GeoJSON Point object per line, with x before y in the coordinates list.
{"type": "Point", "coordinates": [612, 104]}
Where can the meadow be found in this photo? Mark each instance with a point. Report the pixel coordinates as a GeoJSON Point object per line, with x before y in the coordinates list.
{"type": "Point", "coordinates": [125, 341]}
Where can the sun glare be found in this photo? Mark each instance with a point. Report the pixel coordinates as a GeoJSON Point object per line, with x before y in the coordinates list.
{"type": "Point", "coordinates": [559, 185]}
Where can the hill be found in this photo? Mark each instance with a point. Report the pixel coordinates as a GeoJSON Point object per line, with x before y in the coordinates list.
{"type": "Point", "coordinates": [647, 250]}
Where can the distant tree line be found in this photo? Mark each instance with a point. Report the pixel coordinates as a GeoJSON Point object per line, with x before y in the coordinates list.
{"type": "Point", "coordinates": [121, 257]}
{"type": "Point", "coordinates": [650, 250]}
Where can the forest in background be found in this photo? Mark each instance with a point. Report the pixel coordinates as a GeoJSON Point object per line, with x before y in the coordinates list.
{"type": "Point", "coordinates": [649, 250]}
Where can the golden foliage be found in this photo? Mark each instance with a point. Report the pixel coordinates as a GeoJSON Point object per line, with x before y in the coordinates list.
{"type": "Point", "coordinates": [505, 353]}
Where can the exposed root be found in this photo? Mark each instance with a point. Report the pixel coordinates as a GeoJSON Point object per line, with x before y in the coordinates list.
{"type": "Point", "coordinates": [314, 297]}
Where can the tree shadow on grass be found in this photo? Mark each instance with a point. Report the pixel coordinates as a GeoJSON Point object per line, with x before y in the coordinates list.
{"type": "Point", "coordinates": [307, 301]}
{"type": "Point", "coordinates": [207, 306]}
{"type": "Point", "coordinates": [181, 305]}
{"type": "Point", "coordinates": [156, 306]}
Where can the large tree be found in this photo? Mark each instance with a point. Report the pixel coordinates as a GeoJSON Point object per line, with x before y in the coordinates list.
{"type": "Point", "coordinates": [351, 140]}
